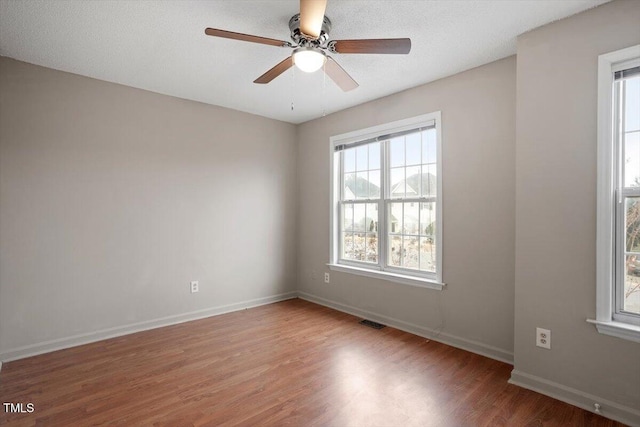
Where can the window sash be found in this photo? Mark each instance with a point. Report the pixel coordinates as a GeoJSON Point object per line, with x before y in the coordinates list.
{"type": "Point", "coordinates": [399, 269]}
{"type": "Point", "coordinates": [342, 231]}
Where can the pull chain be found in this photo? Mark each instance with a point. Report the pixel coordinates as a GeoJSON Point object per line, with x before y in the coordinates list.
{"type": "Point", "coordinates": [324, 84]}
{"type": "Point", "coordinates": [293, 86]}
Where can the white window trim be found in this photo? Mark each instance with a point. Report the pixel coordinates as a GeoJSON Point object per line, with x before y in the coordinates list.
{"type": "Point", "coordinates": [416, 279]}
{"type": "Point", "coordinates": [605, 249]}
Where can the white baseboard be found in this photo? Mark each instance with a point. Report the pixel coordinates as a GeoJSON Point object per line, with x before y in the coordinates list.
{"type": "Point", "coordinates": [75, 340]}
{"type": "Point", "coordinates": [454, 341]}
{"type": "Point", "coordinates": [612, 410]}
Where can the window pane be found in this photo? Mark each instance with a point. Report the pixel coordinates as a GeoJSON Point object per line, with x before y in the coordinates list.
{"type": "Point", "coordinates": [413, 184]}
{"type": "Point", "coordinates": [349, 158]}
{"type": "Point", "coordinates": [349, 192]}
{"type": "Point", "coordinates": [631, 292]}
{"type": "Point", "coordinates": [632, 159]}
{"type": "Point", "coordinates": [372, 248]}
{"type": "Point", "coordinates": [359, 219]}
{"type": "Point", "coordinates": [427, 181]}
{"type": "Point", "coordinates": [410, 252]}
{"type": "Point", "coordinates": [362, 159]}
{"type": "Point", "coordinates": [429, 146]}
{"type": "Point", "coordinates": [395, 220]}
{"type": "Point", "coordinates": [372, 217]}
{"type": "Point", "coordinates": [397, 183]}
{"type": "Point", "coordinates": [397, 151]}
{"type": "Point", "coordinates": [411, 218]}
{"type": "Point", "coordinates": [431, 179]}
{"type": "Point", "coordinates": [632, 221]}
{"type": "Point", "coordinates": [395, 251]}
{"type": "Point", "coordinates": [632, 104]}
{"type": "Point", "coordinates": [359, 246]}
{"type": "Point", "coordinates": [347, 217]}
{"type": "Point", "coordinates": [347, 246]}
{"type": "Point", "coordinates": [413, 149]}
{"type": "Point", "coordinates": [374, 184]}
{"type": "Point", "coordinates": [428, 254]}
{"type": "Point", "coordinates": [428, 219]}
{"type": "Point", "coordinates": [362, 185]}
{"type": "Point", "coordinates": [374, 156]}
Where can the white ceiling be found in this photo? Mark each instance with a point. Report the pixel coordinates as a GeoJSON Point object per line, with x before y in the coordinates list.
{"type": "Point", "coordinates": [161, 46]}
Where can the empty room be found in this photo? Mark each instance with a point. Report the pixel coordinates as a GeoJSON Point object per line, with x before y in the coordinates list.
{"type": "Point", "coordinates": [320, 213]}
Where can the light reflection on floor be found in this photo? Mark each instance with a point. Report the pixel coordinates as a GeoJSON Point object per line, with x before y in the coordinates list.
{"type": "Point", "coordinates": [372, 397]}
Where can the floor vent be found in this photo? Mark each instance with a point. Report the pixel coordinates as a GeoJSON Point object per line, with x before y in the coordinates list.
{"type": "Point", "coordinates": [372, 324]}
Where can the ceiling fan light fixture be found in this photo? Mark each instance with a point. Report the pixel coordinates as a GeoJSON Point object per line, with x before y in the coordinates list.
{"type": "Point", "coordinates": [309, 59]}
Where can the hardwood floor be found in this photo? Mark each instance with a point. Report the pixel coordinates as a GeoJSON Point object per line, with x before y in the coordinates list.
{"type": "Point", "coordinates": [292, 363]}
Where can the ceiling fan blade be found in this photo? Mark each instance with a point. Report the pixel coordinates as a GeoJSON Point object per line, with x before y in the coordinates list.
{"type": "Point", "coordinates": [394, 46]}
{"type": "Point", "coordinates": [275, 71]}
{"type": "Point", "coordinates": [245, 37]}
{"type": "Point", "coordinates": [339, 75]}
{"type": "Point", "coordinates": [311, 16]}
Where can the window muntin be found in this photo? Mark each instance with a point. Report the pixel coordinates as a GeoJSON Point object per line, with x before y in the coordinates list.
{"type": "Point", "coordinates": [387, 216]}
{"type": "Point", "coordinates": [626, 127]}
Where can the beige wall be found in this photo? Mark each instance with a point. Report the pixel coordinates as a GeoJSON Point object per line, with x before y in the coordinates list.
{"type": "Point", "coordinates": [112, 199]}
{"type": "Point", "coordinates": [478, 132]}
{"type": "Point", "coordinates": [556, 206]}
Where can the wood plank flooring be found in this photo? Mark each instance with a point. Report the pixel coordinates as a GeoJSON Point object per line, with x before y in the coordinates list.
{"type": "Point", "coordinates": [292, 363]}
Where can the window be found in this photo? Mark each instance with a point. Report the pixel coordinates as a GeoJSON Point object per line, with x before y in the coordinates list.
{"type": "Point", "coordinates": [626, 123]}
{"type": "Point", "coordinates": [386, 202]}
{"type": "Point", "coordinates": [618, 222]}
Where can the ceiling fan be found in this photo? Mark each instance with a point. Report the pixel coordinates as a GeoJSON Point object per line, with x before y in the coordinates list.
{"type": "Point", "coordinates": [310, 34]}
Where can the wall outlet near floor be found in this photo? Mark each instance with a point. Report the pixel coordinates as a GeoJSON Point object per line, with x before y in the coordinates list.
{"type": "Point", "coordinates": [195, 286]}
{"type": "Point", "coordinates": [543, 338]}
{"type": "Point", "coordinates": [326, 277]}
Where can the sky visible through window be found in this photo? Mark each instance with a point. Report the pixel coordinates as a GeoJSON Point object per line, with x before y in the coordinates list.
{"type": "Point", "coordinates": [632, 132]}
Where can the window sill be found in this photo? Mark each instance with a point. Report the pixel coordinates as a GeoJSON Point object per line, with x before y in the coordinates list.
{"type": "Point", "coordinates": [391, 277]}
{"type": "Point", "coordinates": [617, 329]}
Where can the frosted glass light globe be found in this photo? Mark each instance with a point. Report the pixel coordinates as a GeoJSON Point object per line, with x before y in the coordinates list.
{"type": "Point", "coordinates": [308, 59]}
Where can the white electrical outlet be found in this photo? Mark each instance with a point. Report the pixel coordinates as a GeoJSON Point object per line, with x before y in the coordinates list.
{"type": "Point", "coordinates": [195, 286]}
{"type": "Point", "coordinates": [543, 338]}
{"type": "Point", "coordinates": [326, 277]}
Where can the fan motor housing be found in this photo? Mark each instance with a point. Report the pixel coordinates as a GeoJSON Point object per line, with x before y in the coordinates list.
{"type": "Point", "coordinates": [302, 39]}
